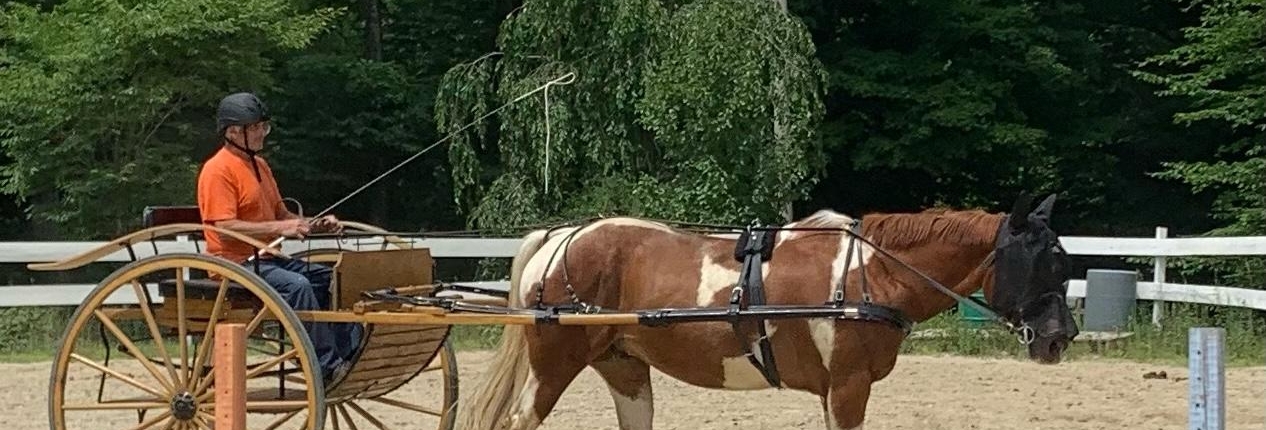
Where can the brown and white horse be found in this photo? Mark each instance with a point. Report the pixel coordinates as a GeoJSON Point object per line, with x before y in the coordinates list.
{"type": "Point", "coordinates": [630, 264]}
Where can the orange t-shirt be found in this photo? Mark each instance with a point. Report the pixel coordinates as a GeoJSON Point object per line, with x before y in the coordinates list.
{"type": "Point", "coordinates": [227, 189]}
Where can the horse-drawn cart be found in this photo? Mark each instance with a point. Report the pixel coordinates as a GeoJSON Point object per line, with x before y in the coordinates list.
{"type": "Point", "coordinates": [617, 293]}
{"type": "Point", "coordinates": [164, 374]}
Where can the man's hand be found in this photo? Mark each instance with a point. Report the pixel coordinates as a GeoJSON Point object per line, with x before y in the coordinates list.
{"type": "Point", "coordinates": [294, 228]}
{"type": "Point", "coordinates": [327, 224]}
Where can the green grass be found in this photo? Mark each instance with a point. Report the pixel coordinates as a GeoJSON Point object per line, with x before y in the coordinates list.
{"type": "Point", "coordinates": [27, 356]}
{"type": "Point", "coordinates": [1149, 344]}
{"type": "Point", "coordinates": [475, 337]}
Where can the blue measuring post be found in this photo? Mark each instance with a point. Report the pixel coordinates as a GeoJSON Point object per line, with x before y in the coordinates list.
{"type": "Point", "coordinates": [1207, 383]}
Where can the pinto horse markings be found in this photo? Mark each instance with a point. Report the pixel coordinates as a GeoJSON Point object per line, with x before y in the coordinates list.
{"type": "Point", "coordinates": [627, 264]}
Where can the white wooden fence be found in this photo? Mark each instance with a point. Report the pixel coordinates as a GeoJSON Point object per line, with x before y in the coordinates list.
{"type": "Point", "coordinates": [73, 294]}
{"type": "Point", "coordinates": [1156, 289]}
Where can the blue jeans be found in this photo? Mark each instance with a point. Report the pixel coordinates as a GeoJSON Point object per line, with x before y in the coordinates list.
{"type": "Point", "coordinates": [306, 287]}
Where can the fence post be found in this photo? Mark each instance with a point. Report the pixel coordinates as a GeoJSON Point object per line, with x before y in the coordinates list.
{"type": "Point", "coordinates": [230, 377]}
{"type": "Point", "coordinates": [1206, 388]}
{"type": "Point", "coordinates": [1158, 276]}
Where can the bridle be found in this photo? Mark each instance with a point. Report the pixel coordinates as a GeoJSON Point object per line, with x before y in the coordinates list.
{"type": "Point", "coordinates": [1025, 334]}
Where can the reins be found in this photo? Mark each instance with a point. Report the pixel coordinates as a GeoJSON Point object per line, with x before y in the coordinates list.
{"type": "Point", "coordinates": [1025, 333]}
{"type": "Point", "coordinates": [565, 79]}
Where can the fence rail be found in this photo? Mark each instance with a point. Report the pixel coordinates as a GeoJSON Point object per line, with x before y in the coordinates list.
{"type": "Point", "coordinates": [1157, 289]}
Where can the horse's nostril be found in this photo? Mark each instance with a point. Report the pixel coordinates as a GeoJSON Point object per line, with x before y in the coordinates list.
{"type": "Point", "coordinates": [1057, 347]}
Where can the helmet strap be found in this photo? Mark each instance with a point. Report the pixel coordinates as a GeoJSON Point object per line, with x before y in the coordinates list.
{"type": "Point", "coordinates": [250, 153]}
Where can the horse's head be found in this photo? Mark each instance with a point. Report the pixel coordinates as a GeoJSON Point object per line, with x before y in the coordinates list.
{"type": "Point", "coordinates": [1030, 279]}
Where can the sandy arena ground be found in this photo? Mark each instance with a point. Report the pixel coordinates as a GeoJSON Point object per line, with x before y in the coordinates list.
{"type": "Point", "coordinates": [922, 393]}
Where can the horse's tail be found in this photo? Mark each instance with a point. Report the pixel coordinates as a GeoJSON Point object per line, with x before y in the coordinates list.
{"type": "Point", "coordinates": [491, 404]}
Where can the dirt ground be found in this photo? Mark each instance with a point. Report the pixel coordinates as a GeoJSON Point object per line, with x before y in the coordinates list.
{"type": "Point", "coordinates": [924, 392]}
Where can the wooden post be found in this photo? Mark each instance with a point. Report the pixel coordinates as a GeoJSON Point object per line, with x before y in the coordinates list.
{"type": "Point", "coordinates": [230, 377]}
{"type": "Point", "coordinates": [1158, 276]}
{"type": "Point", "coordinates": [1207, 386]}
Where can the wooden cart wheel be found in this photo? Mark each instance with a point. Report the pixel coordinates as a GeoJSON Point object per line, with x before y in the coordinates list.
{"type": "Point", "coordinates": [151, 366]}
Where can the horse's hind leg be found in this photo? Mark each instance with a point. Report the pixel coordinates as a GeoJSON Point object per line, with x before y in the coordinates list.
{"type": "Point", "coordinates": [629, 380]}
{"type": "Point", "coordinates": [557, 355]}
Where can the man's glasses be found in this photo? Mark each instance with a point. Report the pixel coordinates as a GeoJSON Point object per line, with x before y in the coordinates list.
{"type": "Point", "coordinates": [265, 126]}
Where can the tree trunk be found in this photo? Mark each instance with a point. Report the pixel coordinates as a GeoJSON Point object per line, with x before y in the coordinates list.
{"type": "Point", "coordinates": [380, 202]}
{"type": "Point", "coordinates": [779, 129]}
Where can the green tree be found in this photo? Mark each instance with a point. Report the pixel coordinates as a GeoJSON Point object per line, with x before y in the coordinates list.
{"type": "Point", "coordinates": [968, 103]}
{"type": "Point", "coordinates": [102, 102]}
{"type": "Point", "coordinates": [360, 100]}
{"type": "Point", "coordinates": [701, 110]}
{"type": "Point", "coordinates": [1221, 71]}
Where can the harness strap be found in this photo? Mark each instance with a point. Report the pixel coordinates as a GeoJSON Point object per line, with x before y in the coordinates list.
{"type": "Point", "coordinates": [753, 249]}
{"type": "Point", "coordinates": [838, 297]}
{"type": "Point", "coordinates": [571, 292]}
{"type": "Point", "coordinates": [861, 262]}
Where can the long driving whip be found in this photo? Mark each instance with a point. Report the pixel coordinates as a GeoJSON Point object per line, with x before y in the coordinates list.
{"type": "Point", "coordinates": [561, 80]}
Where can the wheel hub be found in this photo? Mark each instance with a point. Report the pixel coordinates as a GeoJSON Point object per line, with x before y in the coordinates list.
{"type": "Point", "coordinates": [184, 406]}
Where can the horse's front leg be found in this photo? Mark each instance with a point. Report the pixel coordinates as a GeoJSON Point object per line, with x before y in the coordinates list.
{"type": "Point", "coordinates": [845, 403]}
{"type": "Point", "coordinates": [629, 380]}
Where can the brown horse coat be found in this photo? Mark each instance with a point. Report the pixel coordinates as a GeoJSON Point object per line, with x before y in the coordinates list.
{"type": "Point", "coordinates": [631, 264]}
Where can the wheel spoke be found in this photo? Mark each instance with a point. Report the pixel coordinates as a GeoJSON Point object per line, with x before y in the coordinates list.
{"type": "Point", "coordinates": [342, 409]}
{"type": "Point", "coordinates": [403, 405]}
{"type": "Point", "coordinates": [202, 355]}
{"type": "Point", "coordinates": [284, 418]}
{"type": "Point", "coordinates": [117, 375]}
{"type": "Point", "coordinates": [150, 422]}
{"type": "Point", "coordinates": [254, 325]}
{"type": "Point", "coordinates": [367, 416]}
{"type": "Point", "coordinates": [204, 420]}
{"type": "Point", "coordinates": [152, 322]}
{"type": "Point", "coordinates": [182, 327]}
{"type": "Point", "coordinates": [108, 406]}
{"type": "Point", "coordinates": [132, 349]}
{"type": "Point", "coordinates": [204, 385]}
{"type": "Point", "coordinates": [271, 363]}
{"type": "Point", "coordinates": [265, 405]}
{"type": "Point", "coordinates": [205, 347]}
{"type": "Point", "coordinates": [333, 414]}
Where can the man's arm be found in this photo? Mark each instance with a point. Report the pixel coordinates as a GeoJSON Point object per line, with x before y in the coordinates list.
{"type": "Point", "coordinates": [266, 229]}
{"type": "Point", "coordinates": [326, 224]}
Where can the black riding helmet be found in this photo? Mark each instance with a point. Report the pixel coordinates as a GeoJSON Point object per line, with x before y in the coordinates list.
{"type": "Point", "coordinates": [240, 109]}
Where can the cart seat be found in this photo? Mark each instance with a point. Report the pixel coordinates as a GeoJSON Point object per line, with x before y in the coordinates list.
{"type": "Point", "coordinates": [205, 289]}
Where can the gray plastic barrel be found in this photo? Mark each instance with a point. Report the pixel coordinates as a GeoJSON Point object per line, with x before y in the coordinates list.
{"type": "Point", "coordinates": [1111, 296]}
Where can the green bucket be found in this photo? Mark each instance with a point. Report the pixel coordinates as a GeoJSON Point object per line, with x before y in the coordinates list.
{"type": "Point", "coordinates": [970, 315]}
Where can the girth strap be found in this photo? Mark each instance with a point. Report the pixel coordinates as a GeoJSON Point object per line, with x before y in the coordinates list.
{"type": "Point", "coordinates": [753, 249]}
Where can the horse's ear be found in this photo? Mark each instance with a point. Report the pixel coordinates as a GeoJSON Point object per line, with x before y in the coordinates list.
{"type": "Point", "coordinates": [1020, 212]}
{"type": "Point", "coordinates": [1043, 210]}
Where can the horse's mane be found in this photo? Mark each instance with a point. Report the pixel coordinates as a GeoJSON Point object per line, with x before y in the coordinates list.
{"type": "Point", "coordinates": [971, 227]}
{"type": "Point", "coordinates": [824, 219]}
